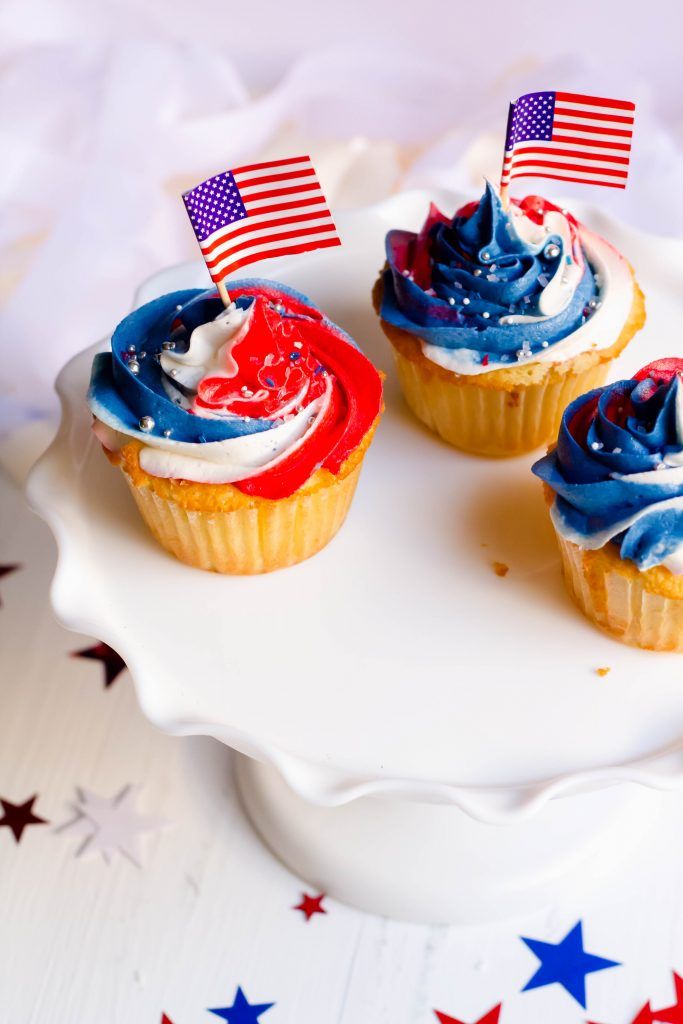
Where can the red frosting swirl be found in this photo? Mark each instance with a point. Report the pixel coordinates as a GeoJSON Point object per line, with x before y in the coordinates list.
{"type": "Point", "coordinates": [288, 357]}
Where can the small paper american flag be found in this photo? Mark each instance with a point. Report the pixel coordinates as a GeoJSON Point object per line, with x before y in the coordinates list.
{"type": "Point", "coordinates": [569, 136]}
{"type": "Point", "coordinates": [258, 211]}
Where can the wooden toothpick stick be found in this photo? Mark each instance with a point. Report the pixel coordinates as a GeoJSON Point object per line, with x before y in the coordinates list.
{"type": "Point", "coordinates": [223, 292]}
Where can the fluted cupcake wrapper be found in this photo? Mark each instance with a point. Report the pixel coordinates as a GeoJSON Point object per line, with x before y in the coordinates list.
{"type": "Point", "coordinates": [620, 603]}
{"type": "Point", "coordinates": [491, 421]}
{"type": "Point", "coordinates": [269, 535]}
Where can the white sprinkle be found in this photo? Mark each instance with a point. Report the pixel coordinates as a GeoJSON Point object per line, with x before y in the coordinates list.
{"type": "Point", "coordinates": [542, 280]}
{"type": "Point", "coordinates": [617, 451]}
{"type": "Point", "coordinates": [544, 344]}
{"type": "Point", "coordinates": [298, 344]}
{"type": "Point", "coordinates": [451, 301]}
{"type": "Point", "coordinates": [597, 446]}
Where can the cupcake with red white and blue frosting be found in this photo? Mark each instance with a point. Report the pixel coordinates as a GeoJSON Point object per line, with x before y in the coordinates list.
{"type": "Point", "coordinates": [240, 431]}
{"type": "Point", "coordinates": [614, 483]}
{"type": "Point", "coordinates": [499, 317]}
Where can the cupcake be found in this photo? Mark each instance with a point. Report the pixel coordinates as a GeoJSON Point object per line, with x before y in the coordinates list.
{"type": "Point", "coordinates": [499, 318]}
{"type": "Point", "coordinates": [240, 431]}
{"type": "Point", "coordinates": [614, 484]}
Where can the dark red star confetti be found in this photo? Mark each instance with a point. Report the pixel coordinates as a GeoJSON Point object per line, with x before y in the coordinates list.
{"type": "Point", "coordinates": [671, 1014]}
{"type": "Point", "coordinates": [112, 662]}
{"type": "Point", "coordinates": [489, 1018]}
{"type": "Point", "coordinates": [5, 570]}
{"type": "Point", "coordinates": [18, 816]}
{"type": "Point", "coordinates": [311, 905]}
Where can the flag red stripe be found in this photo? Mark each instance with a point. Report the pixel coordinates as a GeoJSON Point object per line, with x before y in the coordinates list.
{"type": "Point", "coordinates": [573, 127]}
{"type": "Point", "coordinates": [246, 227]}
{"type": "Point", "coordinates": [278, 236]}
{"type": "Point", "coordinates": [288, 250]}
{"type": "Point", "coordinates": [572, 112]}
{"type": "Point", "coordinates": [270, 163]}
{"type": "Point", "coordinates": [557, 151]}
{"type": "Point", "coordinates": [603, 143]}
{"type": "Point", "coordinates": [613, 171]}
{"type": "Point", "coordinates": [267, 178]}
{"type": "Point", "coordinates": [567, 177]}
{"type": "Point", "coordinates": [291, 204]}
{"type": "Point", "coordinates": [596, 101]}
{"type": "Point", "coordinates": [273, 193]}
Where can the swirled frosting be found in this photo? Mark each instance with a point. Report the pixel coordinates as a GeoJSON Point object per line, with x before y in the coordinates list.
{"type": "Point", "coordinates": [617, 470]}
{"type": "Point", "coordinates": [260, 394]}
{"type": "Point", "coordinates": [492, 288]}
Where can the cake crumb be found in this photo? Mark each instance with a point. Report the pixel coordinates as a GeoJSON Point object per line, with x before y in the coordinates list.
{"type": "Point", "coordinates": [500, 568]}
{"type": "Point", "coordinates": [603, 671]}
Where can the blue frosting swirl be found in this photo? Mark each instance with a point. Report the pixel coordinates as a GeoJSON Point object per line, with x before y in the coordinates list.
{"type": "Point", "coordinates": [120, 398]}
{"type": "Point", "coordinates": [481, 270]}
{"type": "Point", "coordinates": [617, 470]}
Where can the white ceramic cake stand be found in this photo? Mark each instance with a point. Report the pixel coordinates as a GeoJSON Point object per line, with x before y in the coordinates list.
{"type": "Point", "coordinates": [407, 719]}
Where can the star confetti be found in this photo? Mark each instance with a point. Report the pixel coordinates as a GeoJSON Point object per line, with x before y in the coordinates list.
{"type": "Point", "coordinates": [565, 963]}
{"type": "Point", "coordinates": [311, 905]}
{"type": "Point", "coordinates": [672, 1014]}
{"type": "Point", "coordinates": [112, 662]}
{"type": "Point", "coordinates": [111, 824]}
{"type": "Point", "coordinates": [17, 817]}
{"type": "Point", "coordinates": [644, 1015]}
{"type": "Point", "coordinates": [491, 1017]}
{"type": "Point", "coordinates": [242, 1011]}
{"type": "Point", "coordinates": [5, 570]}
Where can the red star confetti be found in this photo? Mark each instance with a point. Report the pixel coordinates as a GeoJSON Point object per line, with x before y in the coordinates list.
{"type": "Point", "coordinates": [17, 817]}
{"type": "Point", "coordinates": [5, 570]}
{"type": "Point", "coordinates": [489, 1018]}
{"type": "Point", "coordinates": [311, 905]}
{"type": "Point", "coordinates": [111, 824]}
{"type": "Point", "coordinates": [644, 1015]}
{"type": "Point", "coordinates": [112, 662]}
{"type": "Point", "coordinates": [672, 1014]}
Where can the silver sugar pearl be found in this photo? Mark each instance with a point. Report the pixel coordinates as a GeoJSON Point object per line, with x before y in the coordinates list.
{"type": "Point", "coordinates": [477, 272]}
{"type": "Point", "coordinates": [167, 433]}
{"type": "Point", "coordinates": [451, 301]}
{"type": "Point", "coordinates": [174, 373]}
{"type": "Point", "coordinates": [142, 355]}
{"type": "Point", "coordinates": [486, 314]}
{"type": "Point", "coordinates": [133, 366]}
{"type": "Point", "coordinates": [168, 346]}
{"type": "Point", "coordinates": [486, 255]}
{"type": "Point", "coordinates": [146, 423]}
{"type": "Point", "coordinates": [551, 251]}
{"type": "Point", "coordinates": [594, 304]}
{"type": "Point", "coordinates": [131, 348]}
{"type": "Point", "coordinates": [465, 301]}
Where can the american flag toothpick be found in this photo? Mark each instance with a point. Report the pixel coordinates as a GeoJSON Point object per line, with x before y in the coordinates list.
{"type": "Point", "coordinates": [568, 136]}
{"type": "Point", "coordinates": [259, 211]}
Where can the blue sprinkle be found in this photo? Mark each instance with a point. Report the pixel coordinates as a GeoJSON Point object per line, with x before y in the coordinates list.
{"type": "Point", "coordinates": [270, 382]}
{"type": "Point", "coordinates": [319, 369]}
{"type": "Point", "coordinates": [294, 356]}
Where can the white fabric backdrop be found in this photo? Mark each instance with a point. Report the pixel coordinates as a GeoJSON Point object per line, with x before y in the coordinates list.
{"type": "Point", "coordinates": [108, 111]}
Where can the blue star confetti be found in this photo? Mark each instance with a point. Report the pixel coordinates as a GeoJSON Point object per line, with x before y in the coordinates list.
{"type": "Point", "coordinates": [242, 1011]}
{"type": "Point", "coordinates": [565, 963]}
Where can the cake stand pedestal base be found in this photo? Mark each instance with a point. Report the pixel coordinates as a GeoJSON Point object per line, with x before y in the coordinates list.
{"type": "Point", "coordinates": [433, 863]}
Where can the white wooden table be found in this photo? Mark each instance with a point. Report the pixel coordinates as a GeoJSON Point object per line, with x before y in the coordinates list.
{"type": "Point", "coordinates": [87, 942]}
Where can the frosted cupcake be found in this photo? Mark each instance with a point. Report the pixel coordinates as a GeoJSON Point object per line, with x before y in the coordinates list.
{"type": "Point", "coordinates": [240, 431]}
{"type": "Point", "coordinates": [615, 487]}
{"type": "Point", "coordinates": [498, 319]}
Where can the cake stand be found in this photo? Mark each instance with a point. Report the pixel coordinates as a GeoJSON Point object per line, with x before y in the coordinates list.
{"type": "Point", "coordinates": [416, 734]}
